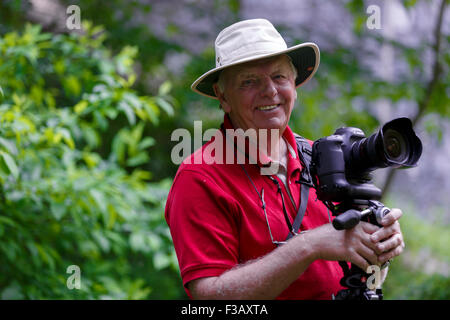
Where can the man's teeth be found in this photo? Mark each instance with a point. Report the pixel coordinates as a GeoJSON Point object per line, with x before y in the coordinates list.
{"type": "Point", "coordinates": [268, 107]}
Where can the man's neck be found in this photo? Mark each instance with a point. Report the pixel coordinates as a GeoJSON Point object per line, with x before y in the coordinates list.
{"type": "Point", "coordinates": [277, 149]}
{"type": "Point", "coordinates": [272, 143]}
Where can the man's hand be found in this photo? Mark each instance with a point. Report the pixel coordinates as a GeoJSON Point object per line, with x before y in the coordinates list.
{"type": "Point", "coordinates": [364, 245]}
{"type": "Point", "coordinates": [388, 240]}
{"type": "Point", "coordinates": [353, 245]}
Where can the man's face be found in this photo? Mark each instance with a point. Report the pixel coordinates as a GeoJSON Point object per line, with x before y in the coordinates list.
{"type": "Point", "coordinates": [259, 94]}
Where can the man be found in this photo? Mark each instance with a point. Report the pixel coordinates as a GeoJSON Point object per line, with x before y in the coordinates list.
{"type": "Point", "coordinates": [229, 221]}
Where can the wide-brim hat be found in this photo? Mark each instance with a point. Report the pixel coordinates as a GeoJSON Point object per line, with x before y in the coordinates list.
{"type": "Point", "coordinates": [251, 40]}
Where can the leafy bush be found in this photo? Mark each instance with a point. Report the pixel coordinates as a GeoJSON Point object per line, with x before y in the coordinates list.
{"type": "Point", "coordinates": [72, 190]}
{"type": "Point", "coordinates": [421, 272]}
{"type": "Point", "coordinates": [404, 283]}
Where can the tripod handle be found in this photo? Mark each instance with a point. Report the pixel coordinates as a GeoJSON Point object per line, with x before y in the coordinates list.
{"type": "Point", "coordinates": [347, 220]}
{"type": "Point", "coordinates": [380, 213]}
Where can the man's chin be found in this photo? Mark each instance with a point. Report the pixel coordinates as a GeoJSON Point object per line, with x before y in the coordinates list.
{"type": "Point", "coordinates": [272, 125]}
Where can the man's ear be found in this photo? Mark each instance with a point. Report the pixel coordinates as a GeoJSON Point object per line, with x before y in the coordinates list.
{"type": "Point", "coordinates": [221, 96]}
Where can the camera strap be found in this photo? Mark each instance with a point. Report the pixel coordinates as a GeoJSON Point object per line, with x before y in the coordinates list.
{"type": "Point", "coordinates": [305, 154]}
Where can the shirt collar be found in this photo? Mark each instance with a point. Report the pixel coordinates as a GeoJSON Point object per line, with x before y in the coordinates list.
{"type": "Point", "coordinates": [263, 160]}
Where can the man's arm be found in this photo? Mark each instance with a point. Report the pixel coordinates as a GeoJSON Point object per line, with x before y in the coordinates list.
{"type": "Point", "coordinates": [263, 278]}
{"type": "Point", "coordinates": [268, 276]}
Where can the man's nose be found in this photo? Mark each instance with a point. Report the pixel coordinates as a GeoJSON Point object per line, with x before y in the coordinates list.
{"type": "Point", "coordinates": [268, 88]}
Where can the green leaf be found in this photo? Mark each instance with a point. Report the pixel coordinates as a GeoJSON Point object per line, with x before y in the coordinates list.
{"type": "Point", "coordinates": [101, 240]}
{"type": "Point", "coordinates": [58, 209]}
{"type": "Point", "coordinates": [67, 137]}
{"type": "Point", "coordinates": [146, 142]}
{"type": "Point", "coordinates": [80, 106]}
{"type": "Point", "coordinates": [409, 3]}
{"type": "Point", "coordinates": [161, 260]}
{"type": "Point", "coordinates": [152, 111]}
{"type": "Point", "coordinates": [119, 147]}
{"type": "Point", "coordinates": [140, 158]}
{"type": "Point", "coordinates": [45, 256]}
{"type": "Point", "coordinates": [7, 221]}
{"type": "Point", "coordinates": [112, 217]}
{"type": "Point", "coordinates": [9, 145]}
{"type": "Point", "coordinates": [125, 107]}
{"type": "Point", "coordinates": [101, 120]}
{"type": "Point", "coordinates": [99, 198]}
{"type": "Point", "coordinates": [165, 106]}
{"type": "Point", "coordinates": [72, 86]}
{"type": "Point", "coordinates": [137, 242]}
{"type": "Point", "coordinates": [10, 164]}
{"type": "Point", "coordinates": [165, 88]}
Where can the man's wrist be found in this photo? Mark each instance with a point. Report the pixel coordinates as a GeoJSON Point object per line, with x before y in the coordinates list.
{"type": "Point", "coordinates": [305, 245]}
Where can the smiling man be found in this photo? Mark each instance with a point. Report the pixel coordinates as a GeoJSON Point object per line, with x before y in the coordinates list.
{"type": "Point", "coordinates": [233, 226]}
{"type": "Point", "coordinates": [260, 94]}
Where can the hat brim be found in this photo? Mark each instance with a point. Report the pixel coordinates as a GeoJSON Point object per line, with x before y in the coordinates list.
{"type": "Point", "coordinates": [305, 57]}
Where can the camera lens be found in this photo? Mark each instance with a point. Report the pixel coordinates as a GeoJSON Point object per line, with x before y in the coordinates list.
{"type": "Point", "coordinates": [395, 146]}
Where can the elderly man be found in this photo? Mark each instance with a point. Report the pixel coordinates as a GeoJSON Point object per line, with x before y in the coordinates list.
{"type": "Point", "coordinates": [230, 222]}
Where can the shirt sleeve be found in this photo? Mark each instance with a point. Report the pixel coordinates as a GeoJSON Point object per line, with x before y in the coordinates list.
{"type": "Point", "coordinates": [204, 226]}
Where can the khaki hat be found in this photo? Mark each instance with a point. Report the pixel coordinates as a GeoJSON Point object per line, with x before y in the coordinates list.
{"type": "Point", "coordinates": [255, 39]}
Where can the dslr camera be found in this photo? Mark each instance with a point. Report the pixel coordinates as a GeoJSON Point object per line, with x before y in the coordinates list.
{"type": "Point", "coordinates": [341, 166]}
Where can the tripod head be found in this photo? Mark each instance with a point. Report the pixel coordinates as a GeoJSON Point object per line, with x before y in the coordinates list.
{"type": "Point", "coordinates": [374, 212]}
{"type": "Point", "coordinates": [354, 277]}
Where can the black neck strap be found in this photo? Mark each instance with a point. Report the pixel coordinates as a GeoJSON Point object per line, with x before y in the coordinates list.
{"type": "Point", "coordinates": [305, 153]}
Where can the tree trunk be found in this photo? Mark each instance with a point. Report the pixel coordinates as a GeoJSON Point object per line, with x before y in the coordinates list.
{"type": "Point", "coordinates": [423, 104]}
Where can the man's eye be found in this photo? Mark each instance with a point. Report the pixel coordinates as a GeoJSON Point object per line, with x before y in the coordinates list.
{"type": "Point", "coordinates": [248, 82]}
{"type": "Point", "coordinates": [280, 76]}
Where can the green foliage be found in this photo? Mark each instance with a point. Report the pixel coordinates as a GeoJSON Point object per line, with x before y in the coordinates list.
{"type": "Point", "coordinates": [403, 283]}
{"type": "Point", "coordinates": [422, 271]}
{"type": "Point", "coordinates": [66, 197]}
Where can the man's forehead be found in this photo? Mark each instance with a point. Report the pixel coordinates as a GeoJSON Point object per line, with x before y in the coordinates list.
{"type": "Point", "coordinates": [249, 68]}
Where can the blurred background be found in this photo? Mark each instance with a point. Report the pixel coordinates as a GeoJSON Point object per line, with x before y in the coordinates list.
{"type": "Point", "coordinates": [89, 97]}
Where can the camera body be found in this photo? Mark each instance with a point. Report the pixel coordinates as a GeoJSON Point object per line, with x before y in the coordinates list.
{"type": "Point", "coordinates": [329, 166]}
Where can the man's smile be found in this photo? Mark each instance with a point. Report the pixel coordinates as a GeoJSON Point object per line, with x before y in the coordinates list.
{"type": "Point", "coordinates": [268, 108]}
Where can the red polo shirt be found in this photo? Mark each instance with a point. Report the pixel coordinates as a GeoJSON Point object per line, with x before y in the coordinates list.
{"type": "Point", "coordinates": [216, 219]}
